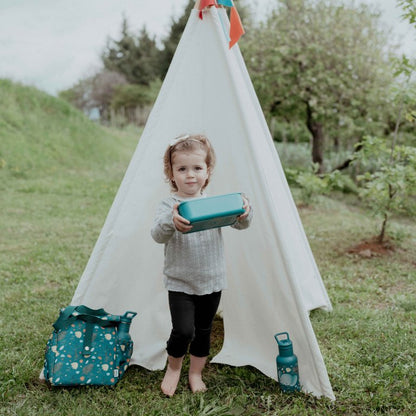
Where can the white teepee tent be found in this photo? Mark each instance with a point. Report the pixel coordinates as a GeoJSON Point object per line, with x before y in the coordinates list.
{"type": "Point", "coordinates": [272, 276]}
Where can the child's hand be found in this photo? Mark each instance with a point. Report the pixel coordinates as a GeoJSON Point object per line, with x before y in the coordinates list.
{"type": "Point", "coordinates": [246, 207]}
{"type": "Point", "coordinates": [181, 224]}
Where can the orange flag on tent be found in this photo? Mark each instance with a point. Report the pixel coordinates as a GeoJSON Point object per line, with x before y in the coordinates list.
{"type": "Point", "coordinates": [205, 3]}
{"type": "Point", "coordinates": [236, 27]}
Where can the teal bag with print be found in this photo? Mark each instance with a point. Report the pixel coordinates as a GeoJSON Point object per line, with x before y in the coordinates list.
{"type": "Point", "coordinates": [88, 347]}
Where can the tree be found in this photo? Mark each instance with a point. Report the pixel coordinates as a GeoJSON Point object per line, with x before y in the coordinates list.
{"type": "Point", "coordinates": [131, 102]}
{"type": "Point", "coordinates": [409, 10]}
{"type": "Point", "coordinates": [104, 85]}
{"type": "Point", "coordinates": [406, 68]}
{"type": "Point", "coordinates": [391, 188]}
{"type": "Point", "coordinates": [95, 92]}
{"type": "Point", "coordinates": [171, 41]}
{"type": "Point", "coordinates": [322, 62]}
{"type": "Point", "coordinates": [137, 58]}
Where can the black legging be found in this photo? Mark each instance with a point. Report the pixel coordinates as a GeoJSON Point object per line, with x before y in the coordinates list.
{"type": "Point", "coordinates": [192, 318]}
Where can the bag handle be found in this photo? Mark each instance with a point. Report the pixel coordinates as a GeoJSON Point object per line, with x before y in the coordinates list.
{"type": "Point", "coordinates": [97, 316]}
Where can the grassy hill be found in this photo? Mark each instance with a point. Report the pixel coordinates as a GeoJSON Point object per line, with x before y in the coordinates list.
{"type": "Point", "coordinates": [44, 135]}
{"type": "Point", "coordinates": [59, 173]}
{"type": "Point", "coordinates": [51, 158]}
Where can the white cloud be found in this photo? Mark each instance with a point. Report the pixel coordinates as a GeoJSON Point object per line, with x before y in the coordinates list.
{"type": "Point", "coordinates": [53, 43]}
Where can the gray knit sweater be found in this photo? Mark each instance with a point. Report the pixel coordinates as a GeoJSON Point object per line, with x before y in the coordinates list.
{"type": "Point", "coordinates": [194, 263]}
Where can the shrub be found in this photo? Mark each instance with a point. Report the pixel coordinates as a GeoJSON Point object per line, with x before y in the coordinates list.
{"type": "Point", "coordinates": [312, 185]}
{"type": "Point", "coordinates": [391, 188]}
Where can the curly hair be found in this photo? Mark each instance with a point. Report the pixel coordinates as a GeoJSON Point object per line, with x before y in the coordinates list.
{"type": "Point", "coordinates": [188, 143]}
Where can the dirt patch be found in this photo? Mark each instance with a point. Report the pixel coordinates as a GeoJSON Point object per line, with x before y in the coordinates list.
{"type": "Point", "coordinates": [372, 248]}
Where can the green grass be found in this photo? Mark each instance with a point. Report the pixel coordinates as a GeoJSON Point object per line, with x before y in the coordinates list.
{"type": "Point", "coordinates": [50, 220]}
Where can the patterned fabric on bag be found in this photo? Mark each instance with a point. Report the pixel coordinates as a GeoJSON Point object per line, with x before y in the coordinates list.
{"type": "Point", "coordinates": [86, 353]}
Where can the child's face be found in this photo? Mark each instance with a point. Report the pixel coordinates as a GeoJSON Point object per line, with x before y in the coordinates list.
{"type": "Point", "coordinates": [190, 172]}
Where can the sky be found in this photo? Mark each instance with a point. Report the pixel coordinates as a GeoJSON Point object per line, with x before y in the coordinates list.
{"type": "Point", "coordinates": [51, 44]}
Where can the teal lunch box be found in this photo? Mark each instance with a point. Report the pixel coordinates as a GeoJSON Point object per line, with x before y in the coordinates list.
{"type": "Point", "coordinates": [212, 212]}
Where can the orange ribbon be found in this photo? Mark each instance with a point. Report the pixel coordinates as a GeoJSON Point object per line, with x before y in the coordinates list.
{"type": "Point", "coordinates": [236, 27]}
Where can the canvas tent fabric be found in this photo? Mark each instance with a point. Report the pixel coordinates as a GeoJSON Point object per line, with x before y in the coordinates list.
{"type": "Point", "coordinates": [273, 280]}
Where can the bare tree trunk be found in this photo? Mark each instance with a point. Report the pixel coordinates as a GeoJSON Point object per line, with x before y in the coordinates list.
{"type": "Point", "coordinates": [317, 132]}
{"type": "Point", "coordinates": [337, 144]}
{"type": "Point", "coordinates": [346, 163]}
{"type": "Point", "coordinates": [380, 237]}
{"type": "Point", "coordinates": [393, 145]}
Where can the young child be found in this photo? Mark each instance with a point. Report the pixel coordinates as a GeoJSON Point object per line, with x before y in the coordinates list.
{"type": "Point", "coordinates": [194, 266]}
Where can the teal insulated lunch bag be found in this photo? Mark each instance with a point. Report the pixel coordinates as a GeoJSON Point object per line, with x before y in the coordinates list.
{"type": "Point", "coordinates": [88, 347]}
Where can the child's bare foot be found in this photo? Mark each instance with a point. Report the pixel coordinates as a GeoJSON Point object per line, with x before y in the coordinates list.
{"type": "Point", "coordinates": [172, 375]}
{"type": "Point", "coordinates": [195, 374]}
{"type": "Point", "coordinates": [196, 383]}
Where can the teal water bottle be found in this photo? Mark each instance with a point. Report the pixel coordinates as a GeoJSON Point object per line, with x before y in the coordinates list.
{"type": "Point", "coordinates": [123, 330]}
{"type": "Point", "coordinates": [287, 364]}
